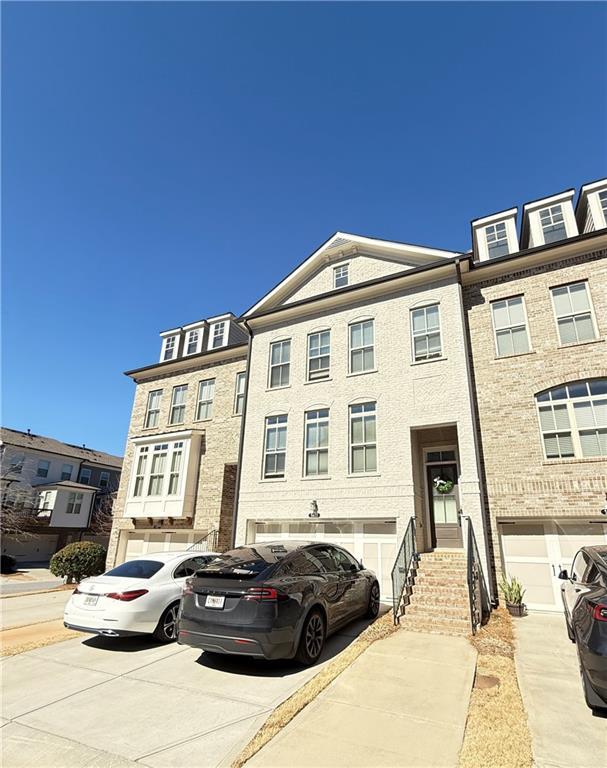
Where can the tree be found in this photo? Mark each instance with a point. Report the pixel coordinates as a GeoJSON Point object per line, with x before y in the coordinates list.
{"type": "Point", "coordinates": [78, 560]}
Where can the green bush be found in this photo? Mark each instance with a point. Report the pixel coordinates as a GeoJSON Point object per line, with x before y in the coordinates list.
{"type": "Point", "coordinates": [79, 560]}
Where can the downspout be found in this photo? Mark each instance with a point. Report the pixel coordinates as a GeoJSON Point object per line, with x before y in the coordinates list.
{"type": "Point", "coordinates": [242, 429]}
{"type": "Point", "coordinates": [476, 433]}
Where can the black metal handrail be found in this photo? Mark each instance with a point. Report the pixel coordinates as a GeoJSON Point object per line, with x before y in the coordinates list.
{"type": "Point", "coordinates": [405, 562]}
{"type": "Point", "coordinates": [478, 594]}
{"type": "Point", "coordinates": [207, 543]}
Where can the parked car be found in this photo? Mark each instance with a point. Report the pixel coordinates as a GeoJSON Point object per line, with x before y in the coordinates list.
{"type": "Point", "coordinates": [276, 600]}
{"type": "Point", "coordinates": [138, 597]}
{"type": "Point", "coordinates": [584, 593]}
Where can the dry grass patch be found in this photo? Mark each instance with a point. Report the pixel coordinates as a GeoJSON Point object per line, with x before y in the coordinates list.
{"type": "Point", "coordinates": [21, 639]}
{"type": "Point", "coordinates": [497, 733]}
{"type": "Point", "coordinates": [285, 712]}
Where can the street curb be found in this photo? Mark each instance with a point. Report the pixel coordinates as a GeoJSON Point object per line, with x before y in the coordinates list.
{"type": "Point", "coordinates": [62, 588]}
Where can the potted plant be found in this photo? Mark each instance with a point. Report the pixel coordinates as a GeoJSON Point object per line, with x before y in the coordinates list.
{"type": "Point", "coordinates": [513, 592]}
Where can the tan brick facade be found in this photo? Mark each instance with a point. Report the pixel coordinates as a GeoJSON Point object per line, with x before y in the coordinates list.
{"type": "Point", "coordinates": [218, 453]}
{"type": "Point", "coordinates": [519, 481]}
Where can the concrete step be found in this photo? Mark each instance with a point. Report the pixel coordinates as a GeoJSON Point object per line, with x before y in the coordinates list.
{"type": "Point", "coordinates": [434, 579]}
{"type": "Point", "coordinates": [447, 591]}
{"type": "Point", "coordinates": [444, 611]}
{"type": "Point", "coordinates": [437, 625]}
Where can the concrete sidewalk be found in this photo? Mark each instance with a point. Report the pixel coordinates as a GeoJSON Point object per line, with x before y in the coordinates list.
{"type": "Point", "coordinates": [403, 702]}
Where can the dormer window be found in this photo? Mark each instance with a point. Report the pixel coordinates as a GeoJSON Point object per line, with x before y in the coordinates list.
{"type": "Point", "coordinates": [219, 330]}
{"type": "Point", "coordinates": [169, 349]}
{"type": "Point", "coordinates": [341, 276]}
{"type": "Point", "coordinates": [603, 202]}
{"type": "Point", "coordinates": [497, 240]}
{"type": "Point", "coordinates": [553, 224]}
{"type": "Point", "coordinates": [192, 342]}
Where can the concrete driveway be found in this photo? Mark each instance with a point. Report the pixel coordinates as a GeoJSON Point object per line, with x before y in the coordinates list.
{"type": "Point", "coordinates": [564, 731]}
{"type": "Point", "coordinates": [21, 610]}
{"type": "Point", "coordinates": [114, 703]}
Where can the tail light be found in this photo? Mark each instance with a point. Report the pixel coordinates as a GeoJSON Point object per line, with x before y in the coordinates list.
{"type": "Point", "coordinates": [265, 595]}
{"type": "Point", "coordinates": [126, 597]}
{"type": "Point", "coordinates": [599, 612]}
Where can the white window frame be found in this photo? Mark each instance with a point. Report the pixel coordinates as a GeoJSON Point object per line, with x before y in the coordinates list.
{"type": "Point", "coordinates": [217, 334]}
{"type": "Point", "coordinates": [239, 390]}
{"type": "Point", "coordinates": [574, 315]}
{"type": "Point", "coordinates": [550, 211]}
{"type": "Point", "coordinates": [361, 347]}
{"type": "Point", "coordinates": [369, 408]}
{"type": "Point", "coordinates": [320, 373]}
{"type": "Point", "coordinates": [193, 338]}
{"type": "Point", "coordinates": [491, 231]}
{"type": "Point", "coordinates": [277, 424]}
{"type": "Point", "coordinates": [174, 406]}
{"type": "Point", "coordinates": [318, 418]}
{"type": "Point", "coordinates": [427, 333]}
{"type": "Point", "coordinates": [42, 471]}
{"type": "Point", "coordinates": [282, 364]}
{"type": "Point", "coordinates": [602, 200]}
{"type": "Point", "coordinates": [340, 272]}
{"type": "Point", "coordinates": [159, 451]}
{"type": "Point", "coordinates": [139, 476]}
{"type": "Point", "coordinates": [149, 411]}
{"type": "Point", "coordinates": [104, 475]}
{"type": "Point", "coordinates": [74, 500]}
{"type": "Point", "coordinates": [85, 472]}
{"type": "Point", "coordinates": [204, 399]}
{"type": "Point", "coordinates": [16, 462]}
{"type": "Point", "coordinates": [512, 326]}
{"type": "Point", "coordinates": [573, 430]}
{"type": "Point", "coordinates": [67, 469]}
{"type": "Point", "coordinates": [175, 469]}
{"type": "Point", "coordinates": [170, 346]}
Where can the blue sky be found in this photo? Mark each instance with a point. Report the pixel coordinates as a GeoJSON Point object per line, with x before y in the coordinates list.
{"type": "Point", "coordinates": [166, 162]}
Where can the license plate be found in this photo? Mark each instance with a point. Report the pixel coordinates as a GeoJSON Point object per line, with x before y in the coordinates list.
{"type": "Point", "coordinates": [213, 601]}
{"type": "Point", "coordinates": [91, 599]}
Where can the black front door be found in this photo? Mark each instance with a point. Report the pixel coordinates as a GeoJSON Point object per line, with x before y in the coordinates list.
{"type": "Point", "coordinates": [446, 529]}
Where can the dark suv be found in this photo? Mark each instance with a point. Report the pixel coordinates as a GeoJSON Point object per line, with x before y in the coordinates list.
{"type": "Point", "coordinates": [275, 600]}
{"type": "Point", "coordinates": [584, 593]}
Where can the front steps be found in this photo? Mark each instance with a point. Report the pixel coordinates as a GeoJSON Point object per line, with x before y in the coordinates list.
{"type": "Point", "coordinates": [438, 601]}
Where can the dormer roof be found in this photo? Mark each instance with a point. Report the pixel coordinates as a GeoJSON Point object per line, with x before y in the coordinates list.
{"type": "Point", "coordinates": [535, 205]}
{"type": "Point", "coordinates": [339, 246]}
{"type": "Point", "coordinates": [589, 213]}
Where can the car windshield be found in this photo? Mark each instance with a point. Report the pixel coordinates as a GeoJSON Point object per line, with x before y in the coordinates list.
{"type": "Point", "coordinates": [136, 569]}
{"type": "Point", "coordinates": [244, 562]}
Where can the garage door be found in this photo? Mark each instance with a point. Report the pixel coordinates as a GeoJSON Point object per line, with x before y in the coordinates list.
{"type": "Point", "coordinates": [536, 551]}
{"type": "Point", "coordinates": [38, 549]}
{"type": "Point", "coordinates": [372, 542]}
{"type": "Point", "coordinates": [144, 543]}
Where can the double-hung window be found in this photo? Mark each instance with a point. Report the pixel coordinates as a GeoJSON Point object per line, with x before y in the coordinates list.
{"type": "Point", "coordinates": [16, 463]}
{"type": "Point", "coordinates": [510, 325]}
{"type": "Point", "coordinates": [104, 479]}
{"type": "Point", "coordinates": [319, 355]}
{"type": "Point", "coordinates": [363, 438]}
{"type": "Point", "coordinates": [66, 471]}
{"type": "Point", "coordinates": [280, 363]}
{"type": "Point", "coordinates": [497, 240]}
{"type": "Point", "coordinates": [175, 473]}
{"type": "Point", "coordinates": [317, 442]}
{"type": "Point", "coordinates": [192, 342]}
{"type": "Point", "coordinates": [157, 469]}
{"type": "Point", "coordinates": [553, 223]}
{"type": "Point", "coordinates": [573, 420]}
{"type": "Point", "coordinates": [573, 313]}
{"type": "Point", "coordinates": [275, 446]}
{"type": "Point", "coordinates": [425, 332]}
{"type": "Point", "coordinates": [206, 393]}
{"type": "Point", "coordinates": [219, 330]}
{"type": "Point", "coordinates": [141, 467]}
{"type": "Point", "coordinates": [43, 468]}
{"type": "Point", "coordinates": [170, 348]}
{"type": "Point", "coordinates": [85, 475]}
{"type": "Point", "coordinates": [153, 410]}
{"type": "Point", "coordinates": [340, 276]}
{"type": "Point", "coordinates": [177, 415]}
{"type": "Point", "coordinates": [362, 346]}
{"type": "Point", "coordinates": [74, 503]}
{"type": "Point", "coordinates": [241, 379]}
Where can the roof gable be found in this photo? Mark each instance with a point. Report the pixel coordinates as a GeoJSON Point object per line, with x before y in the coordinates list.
{"type": "Point", "coordinates": [372, 258]}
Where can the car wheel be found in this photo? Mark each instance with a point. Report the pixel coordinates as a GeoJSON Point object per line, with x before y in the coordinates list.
{"type": "Point", "coordinates": [166, 631]}
{"type": "Point", "coordinates": [312, 639]}
{"type": "Point", "coordinates": [373, 607]}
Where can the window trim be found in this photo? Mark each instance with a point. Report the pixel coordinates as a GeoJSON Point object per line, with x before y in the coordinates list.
{"type": "Point", "coordinates": [276, 425]}
{"type": "Point", "coordinates": [174, 349]}
{"type": "Point", "coordinates": [46, 471]}
{"type": "Point", "coordinates": [317, 450]}
{"type": "Point", "coordinates": [281, 364]}
{"type": "Point", "coordinates": [425, 306]}
{"type": "Point", "coordinates": [241, 376]}
{"type": "Point", "coordinates": [149, 410]}
{"type": "Point", "coordinates": [563, 221]}
{"type": "Point", "coordinates": [336, 268]}
{"type": "Point", "coordinates": [104, 472]}
{"type": "Point", "coordinates": [351, 471]}
{"type": "Point", "coordinates": [373, 346]}
{"type": "Point", "coordinates": [199, 400]}
{"type": "Point", "coordinates": [173, 405]}
{"type": "Point", "coordinates": [556, 318]}
{"type": "Point", "coordinates": [89, 475]}
{"type": "Point", "coordinates": [213, 335]}
{"type": "Point", "coordinates": [187, 341]}
{"type": "Point", "coordinates": [309, 358]}
{"type": "Point", "coordinates": [494, 225]}
{"type": "Point", "coordinates": [527, 330]}
{"type": "Point", "coordinates": [75, 499]}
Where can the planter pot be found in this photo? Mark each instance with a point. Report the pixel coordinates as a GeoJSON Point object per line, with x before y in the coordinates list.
{"type": "Point", "coordinates": [516, 609]}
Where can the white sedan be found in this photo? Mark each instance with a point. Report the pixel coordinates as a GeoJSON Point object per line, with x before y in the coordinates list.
{"type": "Point", "coordinates": [138, 597]}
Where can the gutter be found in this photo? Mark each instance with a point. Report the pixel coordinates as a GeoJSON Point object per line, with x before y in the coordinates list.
{"type": "Point", "coordinates": [242, 430]}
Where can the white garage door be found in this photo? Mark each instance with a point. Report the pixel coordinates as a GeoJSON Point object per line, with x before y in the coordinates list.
{"type": "Point", "coordinates": [144, 543]}
{"type": "Point", "coordinates": [372, 542]}
{"type": "Point", "coordinates": [536, 551]}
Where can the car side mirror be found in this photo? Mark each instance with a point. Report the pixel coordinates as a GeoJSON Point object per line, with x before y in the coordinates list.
{"type": "Point", "coordinates": [354, 568]}
{"type": "Point", "coordinates": [563, 575]}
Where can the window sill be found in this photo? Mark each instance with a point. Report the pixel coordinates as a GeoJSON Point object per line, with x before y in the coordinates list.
{"type": "Point", "coordinates": [354, 475]}
{"type": "Point", "coordinates": [273, 480]}
{"type": "Point", "coordinates": [497, 359]}
{"type": "Point", "coordinates": [277, 389]}
{"type": "Point", "coordinates": [318, 381]}
{"type": "Point", "coordinates": [581, 343]}
{"type": "Point", "coordinates": [316, 477]}
{"type": "Point", "coordinates": [580, 460]}
{"type": "Point", "coordinates": [202, 421]}
{"type": "Point", "coordinates": [432, 360]}
{"type": "Point", "coordinates": [237, 415]}
{"type": "Point", "coordinates": [362, 373]}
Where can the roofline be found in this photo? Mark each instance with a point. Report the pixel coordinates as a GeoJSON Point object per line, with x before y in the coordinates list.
{"type": "Point", "coordinates": [532, 203]}
{"type": "Point", "coordinates": [169, 364]}
{"type": "Point", "coordinates": [535, 203]}
{"type": "Point", "coordinates": [57, 453]}
{"type": "Point", "coordinates": [180, 328]}
{"type": "Point", "coordinates": [497, 215]}
{"type": "Point", "coordinates": [585, 190]}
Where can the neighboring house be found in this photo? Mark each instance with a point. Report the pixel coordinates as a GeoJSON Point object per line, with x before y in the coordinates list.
{"type": "Point", "coordinates": [358, 398]}
{"type": "Point", "coordinates": [55, 487]}
{"type": "Point", "coordinates": [537, 317]}
{"type": "Point", "coordinates": [179, 475]}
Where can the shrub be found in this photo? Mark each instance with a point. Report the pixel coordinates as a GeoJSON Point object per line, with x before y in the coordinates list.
{"type": "Point", "coordinates": [8, 564]}
{"type": "Point", "coordinates": [79, 560]}
{"type": "Point", "coordinates": [512, 590]}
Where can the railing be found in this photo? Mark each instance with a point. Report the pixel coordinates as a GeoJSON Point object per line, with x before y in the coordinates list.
{"type": "Point", "coordinates": [207, 543]}
{"type": "Point", "coordinates": [478, 593]}
{"type": "Point", "coordinates": [405, 562]}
